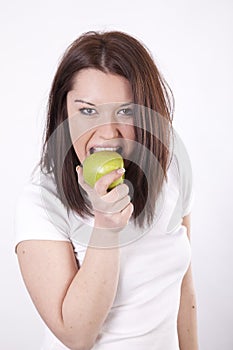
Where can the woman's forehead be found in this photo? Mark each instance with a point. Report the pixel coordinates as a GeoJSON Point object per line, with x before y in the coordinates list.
{"type": "Point", "coordinates": [98, 87]}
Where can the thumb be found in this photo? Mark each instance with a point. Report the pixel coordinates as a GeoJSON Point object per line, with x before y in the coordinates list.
{"type": "Point", "coordinates": [81, 181]}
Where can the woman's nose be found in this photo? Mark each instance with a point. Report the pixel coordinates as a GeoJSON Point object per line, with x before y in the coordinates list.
{"type": "Point", "coordinates": [108, 131]}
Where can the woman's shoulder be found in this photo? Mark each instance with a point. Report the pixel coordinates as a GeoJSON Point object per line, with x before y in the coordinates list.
{"type": "Point", "coordinates": [39, 190]}
{"type": "Point", "coordinates": [181, 172]}
{"type": "Point", "coordinates": [40, 179]}
{"type": "Point", "coordinates": [39, 213]}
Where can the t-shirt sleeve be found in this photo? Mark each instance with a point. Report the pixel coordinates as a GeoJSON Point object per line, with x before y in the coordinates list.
{"type": "Point", "coordinates": [187, 195]}
{"type": "Point", "coordinates": [185, 177]}
{"type": "Point", "coordinates": [40, 215]}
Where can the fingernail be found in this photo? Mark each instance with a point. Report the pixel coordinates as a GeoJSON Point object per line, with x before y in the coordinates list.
{"type": "Point", "coordinates": [121, 171]}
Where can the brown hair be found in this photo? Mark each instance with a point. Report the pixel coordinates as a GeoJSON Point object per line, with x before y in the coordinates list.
{"type": "Point", "coordinates": [118, 53]}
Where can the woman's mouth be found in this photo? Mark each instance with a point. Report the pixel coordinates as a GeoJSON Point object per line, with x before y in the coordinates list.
{"type": "Point", "coordinates": [100, 149]}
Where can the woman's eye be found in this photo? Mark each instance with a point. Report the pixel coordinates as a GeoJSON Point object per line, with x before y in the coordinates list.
{"type": "Point", "coordinates": [87, 111]}
{"type": "Point", "coordinates": [126, 111]}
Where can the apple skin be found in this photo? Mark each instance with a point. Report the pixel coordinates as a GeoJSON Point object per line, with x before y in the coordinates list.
{"type": "Point", "coordinates": [101, 163]}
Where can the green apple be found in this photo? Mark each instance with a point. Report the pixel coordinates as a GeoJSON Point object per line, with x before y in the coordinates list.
{"type": "Point", "coordinates": [100, 163]}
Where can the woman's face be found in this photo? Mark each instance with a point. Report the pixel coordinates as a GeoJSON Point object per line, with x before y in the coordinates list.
{"type": "Point", "coordinates": [100, 111]}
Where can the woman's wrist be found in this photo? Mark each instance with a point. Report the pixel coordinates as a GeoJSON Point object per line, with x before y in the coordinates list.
{"type": "Point", "coordinates": [104, 237]}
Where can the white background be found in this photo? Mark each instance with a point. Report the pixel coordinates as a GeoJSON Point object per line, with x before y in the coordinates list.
{"type": "Point", "coordinates": [191, 41]}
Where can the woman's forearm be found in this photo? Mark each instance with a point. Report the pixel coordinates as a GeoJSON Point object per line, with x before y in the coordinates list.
{"type": "Point", "coordinates": [91, 294]}
{"type": "Point", "coordinates": [187, 318]}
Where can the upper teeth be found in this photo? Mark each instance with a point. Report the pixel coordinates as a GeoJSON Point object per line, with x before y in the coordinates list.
{"type": "Point", "coordinates": [99, 149]}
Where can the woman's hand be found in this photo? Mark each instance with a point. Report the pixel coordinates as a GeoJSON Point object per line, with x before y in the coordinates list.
{"type": "Point", "coordinates": [112, 209]}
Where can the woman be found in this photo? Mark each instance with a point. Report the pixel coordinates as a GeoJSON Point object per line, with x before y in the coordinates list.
{"type": "Point", "coordinates": [109, 268]}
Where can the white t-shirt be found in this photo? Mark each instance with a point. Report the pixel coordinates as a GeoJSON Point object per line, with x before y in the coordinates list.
{"type": "Point", "coordinates": [153, 262]}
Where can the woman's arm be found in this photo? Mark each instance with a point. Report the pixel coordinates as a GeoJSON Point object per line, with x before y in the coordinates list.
{"type": "Point", "coordinates": [74, 303]}
{"type": "Point", "coordinates": [187, 318]}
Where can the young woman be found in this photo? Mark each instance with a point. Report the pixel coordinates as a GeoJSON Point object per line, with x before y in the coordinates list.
{"type": "Point", "coordinates": [109, 269]}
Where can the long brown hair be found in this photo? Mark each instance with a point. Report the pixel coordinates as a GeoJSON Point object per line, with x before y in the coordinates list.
{"type": "Point", "coordinates": [118, 53]}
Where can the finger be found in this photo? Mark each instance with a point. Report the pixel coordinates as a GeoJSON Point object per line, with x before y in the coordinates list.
{"type": "Point", "coordinates": [120, 205]}
{"type": "Point", "coordinates": [102, 185]}
{"type": "Point", "coordinates": [116, 193]}
{"type": "Point", "coordinates": [124, 217]}
{"type": "Point", "coordinates": [115, 207]}
{"type": "Point", "coordinates": [128, 211]}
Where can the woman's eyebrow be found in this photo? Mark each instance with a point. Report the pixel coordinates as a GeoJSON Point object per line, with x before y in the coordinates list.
{"type": "Point", "coordinates": [88, 103]}
{"type": "Point", "coordinates": [126, 104]}
{"type": "Point", "coordinates": [92, 104]}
